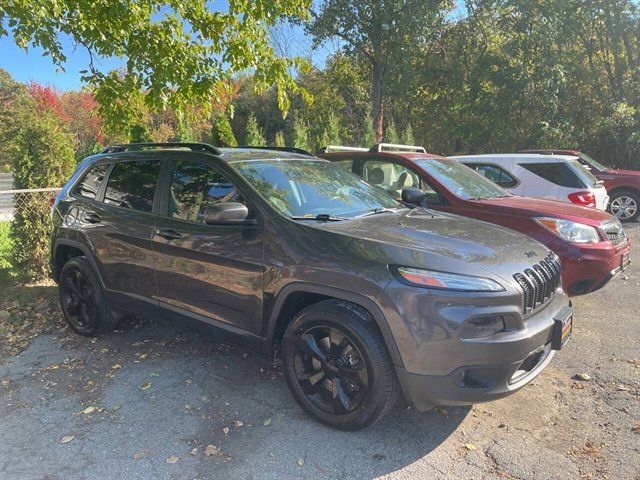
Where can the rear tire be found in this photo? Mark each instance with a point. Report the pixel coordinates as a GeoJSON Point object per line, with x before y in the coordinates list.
{"type": "Point", "coordinates": [337, 366]}
{"type": "Point", "coordinates": [82, 299]}
{"type": "Point", "coordinates": [625, 204]}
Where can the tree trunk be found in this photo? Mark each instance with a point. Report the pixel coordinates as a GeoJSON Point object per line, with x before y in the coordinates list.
{"type": "Point", "coordinates": [377, 100]}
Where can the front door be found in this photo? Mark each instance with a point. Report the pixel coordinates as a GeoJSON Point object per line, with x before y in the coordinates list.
{"type": "Point", "coordinates": [210, 270]}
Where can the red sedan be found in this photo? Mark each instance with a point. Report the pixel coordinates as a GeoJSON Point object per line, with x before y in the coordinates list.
{"type": "Point", "coordinates": [591, 244]}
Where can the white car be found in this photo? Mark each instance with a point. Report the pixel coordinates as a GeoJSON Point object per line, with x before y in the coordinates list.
{"type": "Point", "coordinates": [554, 177]}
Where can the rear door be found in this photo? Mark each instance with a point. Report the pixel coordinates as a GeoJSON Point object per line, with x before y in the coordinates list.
{"type": "Point", "coordinates": [115, 213]}
{"type": "Point", "coordinates": [210, 270]}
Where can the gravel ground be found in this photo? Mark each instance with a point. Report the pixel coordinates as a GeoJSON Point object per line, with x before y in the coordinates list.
{"type": "Point", "coordinates": [149, 399]}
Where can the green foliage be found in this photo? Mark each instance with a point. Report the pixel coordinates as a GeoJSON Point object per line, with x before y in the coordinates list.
{"type": "Point", "coordinates": [43, 158]}
{"type": "Point", "coordinates": [369, 135]}
{"type": "Point", "coordinates": [176, 52]}
{"type": "Point", "coordinates": [184, 132]}
{"type": "Point", "coordinates": [16, 109]}
{"type": "Point", "coordinates": [139, 134]}
{"type": "Point", "coordinates": [255, 135]}
{"type": "Point", "coordinates": [279, 140]}
{"type": "Point", "coordinates": [221, 132]}
{"type": "Point", "coordinates": [300, 135]}
{"type": "Point", "coordinates": [391, 135]}
{"type": "Point", "coordinates": [330, 134]}
{"type": "Point", "coordinates": [407, 136]}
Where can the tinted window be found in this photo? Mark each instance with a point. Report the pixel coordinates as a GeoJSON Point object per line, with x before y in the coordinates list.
{"type": "Point", "coordinates": [306, 188]}
{"type": "Point", "coordinates": [90, 183]}
{"type": "Point", "coordinates": [194, 187]}
{"type": "Point", "coordinates": [495, 174]}
{"type": "Point", "coordinates": [345, 163]}
{"type": "Point", "coordinates": [133, 184]}
{"type": "Point", "coordinates": [557, 173]}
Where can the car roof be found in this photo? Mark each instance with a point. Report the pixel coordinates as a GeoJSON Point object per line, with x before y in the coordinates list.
{"type": "Point", "coordinates": [515, 157]}
{"type": "Point", "coordinates": [384, 154]}
{"type": "Point", "coordinates": [552, 151]}
{"type": "Point", "coordinates": [237, 154]}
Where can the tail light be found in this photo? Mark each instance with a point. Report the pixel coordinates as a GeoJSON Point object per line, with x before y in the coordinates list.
{"type": "Point", "coordinates": [52, 200]}
{"type": "Point", "coordinates": [588, 199]}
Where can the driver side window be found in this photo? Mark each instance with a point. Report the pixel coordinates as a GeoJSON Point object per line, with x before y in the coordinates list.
{"type": "Point", "coordinates": [391, 177]}
{"type": "Point", "coordinates": [195, 187]}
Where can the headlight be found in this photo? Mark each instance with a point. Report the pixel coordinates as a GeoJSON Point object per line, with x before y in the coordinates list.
{"type": "Point", "coordinates": [570, 231]}
{"type": "Point", "coordinates": [450, 281]}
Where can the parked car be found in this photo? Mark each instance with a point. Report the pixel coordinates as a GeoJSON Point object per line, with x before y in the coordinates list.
{"type": "Point", "coordinates": [360, 296]}
{"type": "Point", "coordinates": [554, 177]}
{"type": "Point", "coordinates": [623, 186]}
{"type": "Point", "coordinates": [591, 244]}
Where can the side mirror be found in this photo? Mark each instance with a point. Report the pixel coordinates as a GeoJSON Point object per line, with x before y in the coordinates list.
{"type": "Point", "coordinates": [412, 195]}
{"type": "Point", "coordinates": [226, 213]}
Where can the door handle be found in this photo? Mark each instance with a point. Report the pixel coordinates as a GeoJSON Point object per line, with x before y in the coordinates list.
{"type": "Point", "coordinates": [168, 234]}
{"type": "Point", "coordinates": [92, 217]}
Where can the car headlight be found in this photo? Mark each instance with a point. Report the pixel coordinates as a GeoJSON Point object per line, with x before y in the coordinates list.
{"type": "Point", "coordinates": [570, 231]}
{"type": "Point", "coordinates": [418, 277]}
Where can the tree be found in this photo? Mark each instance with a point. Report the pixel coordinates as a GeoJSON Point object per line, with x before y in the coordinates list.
{"type": "Point", "coordinates": [407, 137]}
{"type": "Point", "coordinates": [43, 157]}
{"type": "Point", "coordinates": [221, 132]}
{"type": "Point", "coordinates": [391, 135]}
{"type": "Point", "coordinates": [379, 32]}
{"type": "Point", "coordinates": [139, 134]}
{"type": "Point", "coordinates": [369, 135]}
{"type": "Point", "coordinates": [255, 135]}
{"type": "Point", "coordinates": [300, 135]}
{"type": "Point", "coordinates": [177, 53]}
{"type": "Point", "coordinates": [16, 109]}
{"type": "Point", "coordinates": [279, 139]}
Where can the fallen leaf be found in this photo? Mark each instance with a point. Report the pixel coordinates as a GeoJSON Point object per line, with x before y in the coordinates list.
{"type": "Point", "coordinates": [301, 462]}
{"type": "Point", "coordinates": [67, 438]}
{"type": "Point", "coordinates": [211, 450]}
{"type": "Point", "coordinates": [193, 451]}
{"type": "Point", "coordinates": [238, 423]}
{"type": "Point", "coordinates": [267, 422]}
{"type": "Point", "coordinates": [140, 454]}
{"type": "Point", "coordinates": [116, 366]}
{"type": "Point", "coordinates": [89, 410]}
{"type": "Point", "coordinates": [584, 377]}
{"type": "Point", "coordinates": [470, 446]}
{"type": "Point", "coordinates": [188, 382]}
{"type": "Point", "coordinates": [143, 356]}
{"type": "Point", "coordinates": [172, 459]}
{"type": "Point", "coordinates": [636, 428]}
{"type": "Point", "coordinates": [145, 386]}
{"type": "Point", "coordinates": [441, 411]}
{"type": "Point", "coordinates": [225, 430]}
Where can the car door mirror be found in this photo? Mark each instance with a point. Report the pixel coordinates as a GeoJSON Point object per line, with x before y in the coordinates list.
{"type": "Point", "coordinates": [226, 213]}
{"type": "Point", "coordinates": [412, 195]}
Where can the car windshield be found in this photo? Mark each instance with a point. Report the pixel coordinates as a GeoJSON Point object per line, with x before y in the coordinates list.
{"type": "Point", "coordinates": [585, 175]}
{"type": "Point", "coordinates": [311, 188]}
{"type": "Point", "coordinates": [593, 162]}
{"type": "Point", "coordinates": [461, 180]}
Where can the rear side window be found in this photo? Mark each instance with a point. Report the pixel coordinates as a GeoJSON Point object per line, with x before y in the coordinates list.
{"type": "Point", "coordinates": [495, 174]}
{"type": "Point", "coordinates": [345, 163]}
{"type": "Point", "coordinates": [90, 183]}
{"type": "Point", "coordinates": [558, 173]}
{"type": "Point", "coordinates": [133, 184]}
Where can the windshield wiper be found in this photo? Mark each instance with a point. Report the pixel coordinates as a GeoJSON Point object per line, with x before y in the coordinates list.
{"type": "Point", "coordinates": [321, 217]}
{"type": "Point", "coordinates": [375, 211]}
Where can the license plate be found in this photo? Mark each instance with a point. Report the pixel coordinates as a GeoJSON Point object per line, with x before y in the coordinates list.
{"type": "Point", "coordinates": [562, 330]}
{"type": "Point", "coordinates": [624, 261]}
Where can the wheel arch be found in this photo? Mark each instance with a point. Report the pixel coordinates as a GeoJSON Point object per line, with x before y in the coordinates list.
{"type": "Point", "coordinates": [64, 249]}
{"type": "Point", "coordinates": [298, 295]}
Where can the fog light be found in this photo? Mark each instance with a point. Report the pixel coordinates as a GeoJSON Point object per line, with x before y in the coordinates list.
{"type": "Point", "coordinates": [482, 327]}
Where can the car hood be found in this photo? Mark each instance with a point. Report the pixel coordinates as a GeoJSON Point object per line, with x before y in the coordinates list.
{"type": "Point", "coordinates": [427, 239]}
{"type": "Point", "coordinates": [536, 207]}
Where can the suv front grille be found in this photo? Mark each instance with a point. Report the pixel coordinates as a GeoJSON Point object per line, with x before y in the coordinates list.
{"type": "Point", "coordinates": [539, 283]}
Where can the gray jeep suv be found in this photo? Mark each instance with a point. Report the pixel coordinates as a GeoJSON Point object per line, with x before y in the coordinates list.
{"type": "Point", "coordinates": [362, 297]}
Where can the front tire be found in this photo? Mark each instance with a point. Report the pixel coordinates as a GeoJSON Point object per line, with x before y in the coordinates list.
{"type": "Point", "coordinates": [625, 205]}
{"type": "Point", "coordinates": [82, 299]}
{"type": "Point", "coordinates": [337, 367]}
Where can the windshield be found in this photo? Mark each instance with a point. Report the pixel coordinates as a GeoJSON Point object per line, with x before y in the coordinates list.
{"type": "Point", "coordinates": [585, 175]}
{"type": "Point", "coordinates": [461, 180]}
{"type": "Point", "coordinates": [307, 188]}
{"type": "Point", "coordinates": [593, 163]}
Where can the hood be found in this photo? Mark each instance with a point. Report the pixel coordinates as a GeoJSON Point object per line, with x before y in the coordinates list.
{"type": "Point", "coordinates": [537, 207]}
{"type": "Point", "coordinates": [426, 239]}
{"type": "Point", "coordinates": [630, 173]}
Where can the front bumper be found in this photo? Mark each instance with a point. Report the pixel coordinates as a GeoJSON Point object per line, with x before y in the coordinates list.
{"type": "Point", "coordinates": [592, 269]}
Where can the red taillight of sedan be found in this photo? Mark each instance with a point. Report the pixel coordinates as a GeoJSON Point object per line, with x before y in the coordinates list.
{"type": "Point", "coordinates": [52, 200]}
{"type": "Point", "coordinates": [587, 199]}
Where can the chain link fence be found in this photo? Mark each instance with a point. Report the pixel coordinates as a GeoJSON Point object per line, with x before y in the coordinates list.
{"type": "Point", "coordinates": [19, 211]}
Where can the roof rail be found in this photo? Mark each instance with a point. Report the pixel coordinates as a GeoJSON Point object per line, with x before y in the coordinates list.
{"type": "Point", "coordinates": [136, 147]}
{"type": "Point", "coordinates": [393, 147]}
{"type": "Point", "coordinates": [342, 148]}
{"type": "Point", "coordinates": [281, 149]}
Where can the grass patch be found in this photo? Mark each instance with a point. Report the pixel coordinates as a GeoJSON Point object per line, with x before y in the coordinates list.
{"type": "Point", "coordinates": [6, 269]}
